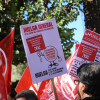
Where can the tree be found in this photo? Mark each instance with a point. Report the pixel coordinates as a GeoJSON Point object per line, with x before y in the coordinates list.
{"type": "Point", "coordinates": [92, 15]}
{"type": "Point", "coordinates": [14, 13]}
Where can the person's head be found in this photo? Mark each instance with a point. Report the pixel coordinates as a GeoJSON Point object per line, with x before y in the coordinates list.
{"type": "Point", "coordinates": [26, 95]}
{"type": "Point", "coordinates": [89, 77]}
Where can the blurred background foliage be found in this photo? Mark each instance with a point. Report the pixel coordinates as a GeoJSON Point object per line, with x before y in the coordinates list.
{"type": "Point", "coordinates": [14, 13]}
{"type": "Point", "coordinates": [92, 15]}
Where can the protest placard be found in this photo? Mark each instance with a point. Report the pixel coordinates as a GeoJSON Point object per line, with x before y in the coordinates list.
{"type": "Point", "coordinates": [88, 51]}
{"type": "Point", "coordinates": [43, 50]}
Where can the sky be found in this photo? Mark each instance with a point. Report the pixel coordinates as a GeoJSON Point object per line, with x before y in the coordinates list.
{"type": "Point", "coordinates": [79, 24]}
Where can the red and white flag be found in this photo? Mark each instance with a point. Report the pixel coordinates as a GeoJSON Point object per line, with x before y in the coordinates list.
{"type": "Point", "coordinates": [6, 53]}
{"type": "Point", "coordinates": [3, 94]}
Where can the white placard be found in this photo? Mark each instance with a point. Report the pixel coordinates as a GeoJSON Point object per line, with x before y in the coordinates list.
{"type": "Point", "coordinates": [43, 50]}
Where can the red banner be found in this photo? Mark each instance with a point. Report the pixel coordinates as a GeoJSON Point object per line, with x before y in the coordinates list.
{"type": "Point", "coordinates": [6, 53]}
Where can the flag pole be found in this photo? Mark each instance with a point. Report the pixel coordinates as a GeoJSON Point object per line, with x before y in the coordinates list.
{"type": "Point", "coordinates": [12, 28]}
{"type": "Point", "coordinates": [94, 29]}
{"type": "Point", "coordinates": [54, 89]}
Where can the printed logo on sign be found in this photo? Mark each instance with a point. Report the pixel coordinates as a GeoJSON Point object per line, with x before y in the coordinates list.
{"type": "Point", "coordinates": [35, 43]}
{"type": "Point", "coordinates": [50, 54]}
{"type": "Point", "coordinates": [40, 74]}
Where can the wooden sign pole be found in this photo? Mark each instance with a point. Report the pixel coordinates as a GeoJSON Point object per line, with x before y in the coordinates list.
{"type": "Point", "coordinates": [54, 89]}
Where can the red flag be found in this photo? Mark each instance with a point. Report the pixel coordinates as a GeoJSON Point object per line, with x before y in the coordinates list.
{"type": "Point", "coordinates": [6, 53]}
{"type": "Point", "coordinates": [26, 83]}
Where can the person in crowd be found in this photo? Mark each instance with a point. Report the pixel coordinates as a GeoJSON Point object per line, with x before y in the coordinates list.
{"type": "Point", "coordinates": [26, 95]}
{"type": "Point", "coordinates": [12, 95]}
{"type": "Point", "coordinates": [89, 81]}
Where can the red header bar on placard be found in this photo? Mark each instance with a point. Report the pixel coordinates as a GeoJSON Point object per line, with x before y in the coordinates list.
{"type": "Point", "coordinates": [35, 43]}
{"type": "Point", "coordinates": [92, 37]}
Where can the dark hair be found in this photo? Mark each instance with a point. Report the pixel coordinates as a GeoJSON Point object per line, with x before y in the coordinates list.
{"type": "Point", "coordinates": [89, 74]}
{"type": "Point", "coordinates": [27, 94]}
